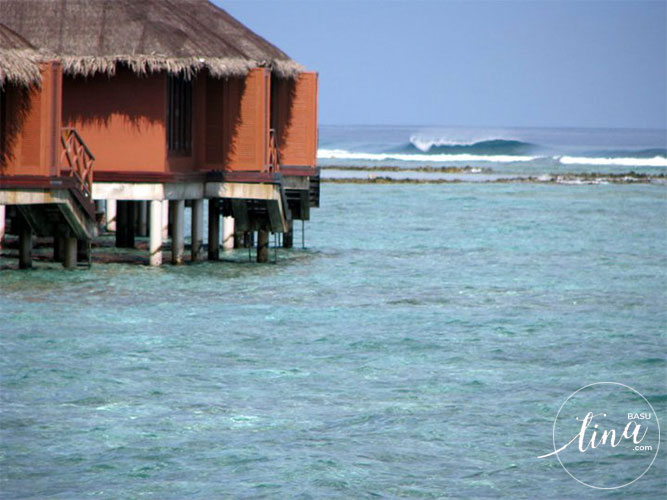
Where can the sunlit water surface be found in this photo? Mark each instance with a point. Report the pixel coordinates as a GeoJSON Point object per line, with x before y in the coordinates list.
{"type": "Point", "coordinates": [419, 347]}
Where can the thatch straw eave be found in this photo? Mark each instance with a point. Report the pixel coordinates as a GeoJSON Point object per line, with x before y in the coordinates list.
{"type": "Point", "coordinates": [180, 37]}
{"type": "Point", "coordinates": [18, 67]}
{"type": "Point", "coordinates": [218, 67]}
{"type": "Point", "coordinates": [286, 68]}
{"type": "Point", "coordinates": [18, 60]}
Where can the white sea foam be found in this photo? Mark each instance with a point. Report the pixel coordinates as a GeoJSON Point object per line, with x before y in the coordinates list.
{"type": "Point", "coordinates": [424, 144]}
{"type": "Point", "coordinates": [581, 181]}
{"type": "Point", "coordinates": [341, 154]}
{"type": "Point", "coordinates": [656, 161]}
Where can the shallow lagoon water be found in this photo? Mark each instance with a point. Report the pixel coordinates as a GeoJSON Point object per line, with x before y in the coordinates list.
{"type": "Point", "coordinates": [419, 347]}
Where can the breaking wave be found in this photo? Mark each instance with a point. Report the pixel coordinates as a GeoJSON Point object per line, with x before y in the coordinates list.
{"type": "Point", "coordinates": [484, 147]}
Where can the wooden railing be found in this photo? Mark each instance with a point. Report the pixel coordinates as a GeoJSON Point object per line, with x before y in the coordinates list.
{"type": "Point", "coordinates": [274, 152]}
{"type": "Point", "coordinates": [77, 160]}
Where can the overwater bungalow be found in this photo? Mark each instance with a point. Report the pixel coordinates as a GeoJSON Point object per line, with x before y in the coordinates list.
{"type": "Point", "coordinates": [179, 102]}
{"type": "Point", "coordinates": [45, 171]}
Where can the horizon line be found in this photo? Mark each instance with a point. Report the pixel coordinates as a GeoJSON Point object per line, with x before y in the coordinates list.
{"type": "Point", "coordinates": [574, 127]}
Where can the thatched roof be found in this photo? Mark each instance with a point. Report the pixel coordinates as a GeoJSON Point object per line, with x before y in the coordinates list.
{"type": "Point", "coordinates": [18, 59]}
{"type": "Point", "coordinates": [179, 36]}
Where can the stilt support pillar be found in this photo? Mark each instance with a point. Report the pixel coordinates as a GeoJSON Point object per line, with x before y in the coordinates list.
{"type": "Point", "coordinates": [142, 218]}
{"type": "Point", "coordinates": [111, 215]}
{"type": "Point", "coordinates": [155, 241]}
{"type": "Point", "coordinates": [71, 245]}
{"type": "Point", "coordinates": [177, 230]}
{"type": "Point", "coordinates": [288, 236]}
{"type": "Point", "coordinates": [228, 233]}
{"type": "Point", "coordinates": [165, 219]}
{"type": "Point", "coordinates": [262, 246]}
{"type": "Point", "coordinates": [197, 229]}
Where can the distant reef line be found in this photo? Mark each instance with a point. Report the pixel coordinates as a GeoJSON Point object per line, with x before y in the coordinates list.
{"type": "Point", "coordinates": [440, 170]}
{"type": "Point", "coordinates": [588, 178]}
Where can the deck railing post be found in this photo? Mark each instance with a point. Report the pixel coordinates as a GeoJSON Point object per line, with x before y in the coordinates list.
{"type": "Point", "coordinates": [78, 159]}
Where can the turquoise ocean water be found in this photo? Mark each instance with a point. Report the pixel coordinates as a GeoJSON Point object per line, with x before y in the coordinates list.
{"type": "Point", "coordinates": [419, 347]}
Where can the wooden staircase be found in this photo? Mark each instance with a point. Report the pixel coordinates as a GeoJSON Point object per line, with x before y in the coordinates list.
{"type": "Point", "coordinates": [77, 162]}
{"type": "Point", "coordinates": [66, 206]}
{"type": "Point", "coordinates": [314, 191]}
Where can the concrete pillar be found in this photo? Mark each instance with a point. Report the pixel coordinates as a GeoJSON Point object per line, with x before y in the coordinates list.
{"type": "Point", "coordinates": [165, 219]}
{"type": "Point", "coordinates": [228, 233]}
{"type": "Point", "coordinates": [142, 218]}
{"type": "Point", "coordinates": [262, 245]}
{"type": "Point", "coordinates": [197, 229]}
{"type": "Point", "coordinates": [170, 220]}
{"type": "Point", "coordinates": [2, 224]}
{"type": "Point", "coordinates": [288, 236]}
{"type": "Point", "coordinates": [177, 207]}
{"type": "Point", "coordinates": [155, 243]}
{"type": "Point", "coordinates": [25, 246]}
{"type": "Point", "coordinates": [70, 252]}
{"type": "Point", "coordinates": [213, 230]}
{"type": "Point", "coordinates": [111, 215]}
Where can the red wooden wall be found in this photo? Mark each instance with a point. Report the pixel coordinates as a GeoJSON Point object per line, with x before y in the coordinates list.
{"type": "Point", "coordinates": [294, 117]}
{"type": "Point", "coordinates": [32, 126]}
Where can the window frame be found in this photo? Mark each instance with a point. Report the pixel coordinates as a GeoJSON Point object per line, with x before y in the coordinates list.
{"type": "Point", "coordinates": [179, 115]}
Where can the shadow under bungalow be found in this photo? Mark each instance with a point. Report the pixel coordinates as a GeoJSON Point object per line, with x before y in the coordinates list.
{"type": "Point", "coordinates": [115, 114]}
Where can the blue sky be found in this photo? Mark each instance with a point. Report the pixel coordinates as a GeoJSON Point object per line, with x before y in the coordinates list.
{"type": "Point", "coordinates": [473, 63]}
